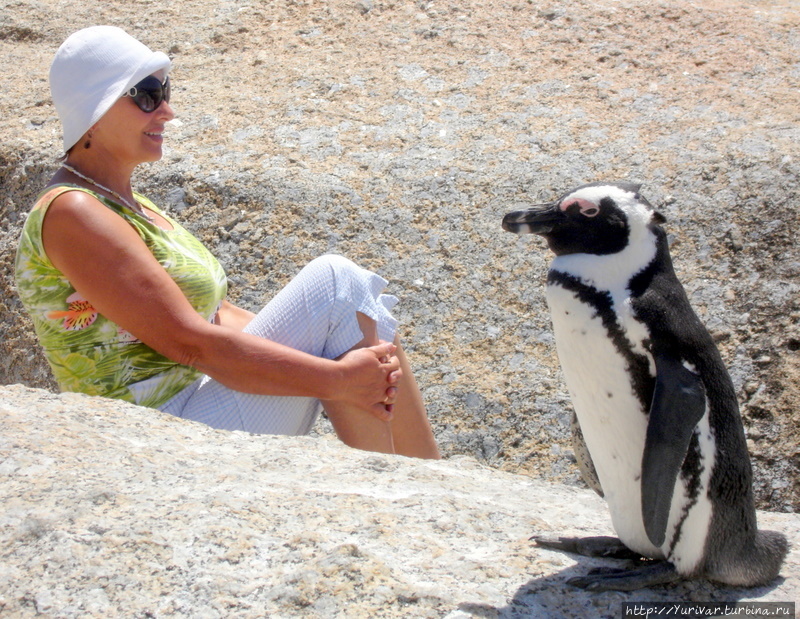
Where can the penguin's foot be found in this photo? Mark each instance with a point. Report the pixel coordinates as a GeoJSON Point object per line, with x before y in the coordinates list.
{"type": "Point", "coordinates": [609, 579]}
{"type": "Point", "coordinates": [602, 546]}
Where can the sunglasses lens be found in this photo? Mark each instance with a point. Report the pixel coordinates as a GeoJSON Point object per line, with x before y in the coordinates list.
{"type": "Point", "coordinates": [149, 93]}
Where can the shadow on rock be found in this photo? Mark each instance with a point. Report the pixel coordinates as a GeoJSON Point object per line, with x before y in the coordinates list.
{"type": "Point", "coordinates": [551, 596]}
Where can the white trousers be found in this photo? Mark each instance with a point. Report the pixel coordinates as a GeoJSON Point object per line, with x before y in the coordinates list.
{"type": "Point", "coordinates": [314, 313]}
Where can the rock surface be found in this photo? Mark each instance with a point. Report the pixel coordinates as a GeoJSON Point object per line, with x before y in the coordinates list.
{"type": "Point", "coordinates": [110, 510]}
{"type": "Point", "coordinates": [398, 133]}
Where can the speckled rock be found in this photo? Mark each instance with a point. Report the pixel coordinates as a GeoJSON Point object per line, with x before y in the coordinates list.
{"type": "Point", "coordinates": [398, 133]}
{"type": "Point", "coordinates": [110, 510]}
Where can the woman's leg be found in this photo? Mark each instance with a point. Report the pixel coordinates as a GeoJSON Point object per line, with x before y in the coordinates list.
{"type": "Point", "coordinates": [408, 433]}
{"type": "Point", "coordinates": [318, 313]}
{"type": "Point", "coordinates": [355, 427]}
{"type": "Point", "coordinates": [411, 431]}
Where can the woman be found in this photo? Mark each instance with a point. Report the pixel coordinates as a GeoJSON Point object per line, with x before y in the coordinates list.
{"type": "Point", "coordinates": [128, 304]}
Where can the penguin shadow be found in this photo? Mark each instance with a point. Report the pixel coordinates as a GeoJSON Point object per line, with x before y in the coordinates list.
{"type": "Point", "coordinates": [552, 597]}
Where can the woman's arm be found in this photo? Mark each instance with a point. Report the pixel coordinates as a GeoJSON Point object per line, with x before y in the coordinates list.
{"type": "Point", "coordinates": [108, 263]}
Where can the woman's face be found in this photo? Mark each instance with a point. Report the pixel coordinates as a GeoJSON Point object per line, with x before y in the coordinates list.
{"type": "Point", "coordinates": [130, 135]}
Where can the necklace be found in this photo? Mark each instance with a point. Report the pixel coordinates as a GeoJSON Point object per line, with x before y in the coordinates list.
{"type": "Point", "coordinates": [135, 208]}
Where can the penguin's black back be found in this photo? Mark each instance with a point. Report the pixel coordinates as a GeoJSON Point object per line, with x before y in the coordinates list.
{"type": "Point", "coordinates": [659, 299]}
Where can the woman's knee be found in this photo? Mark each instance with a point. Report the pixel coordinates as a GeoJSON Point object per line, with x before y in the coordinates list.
{"type": "Point", "coordinates": [334, 268]}
{"type": "Point", "coordinates": [335, 262]}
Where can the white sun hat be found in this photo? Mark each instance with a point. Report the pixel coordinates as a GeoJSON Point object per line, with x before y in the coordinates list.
{"type": "Point", "coordinates": [92, 69]}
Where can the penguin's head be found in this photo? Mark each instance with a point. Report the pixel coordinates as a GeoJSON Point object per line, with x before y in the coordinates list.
{"type": "Point", "coordinates": [598, 218]}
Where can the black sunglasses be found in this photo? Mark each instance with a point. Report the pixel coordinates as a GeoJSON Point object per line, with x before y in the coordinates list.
{"type": "Point", "coordinates": [149, 93]}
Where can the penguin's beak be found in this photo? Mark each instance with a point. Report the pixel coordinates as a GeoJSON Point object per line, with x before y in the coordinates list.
{"type": "Point", "coordinates": [541, 219]}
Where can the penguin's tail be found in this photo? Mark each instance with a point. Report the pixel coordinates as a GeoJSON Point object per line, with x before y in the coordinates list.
{"type": "Point", "coordinates": [754, 564]}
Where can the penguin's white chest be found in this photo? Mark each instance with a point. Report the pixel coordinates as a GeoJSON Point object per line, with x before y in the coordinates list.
{"type": "Point", "coordinates": [602, 353]}
{"type": "Point", "coordinates": [613, 420]}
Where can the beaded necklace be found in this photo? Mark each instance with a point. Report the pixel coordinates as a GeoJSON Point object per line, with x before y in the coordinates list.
{"type": "Point", "coordinates": [135, 208]}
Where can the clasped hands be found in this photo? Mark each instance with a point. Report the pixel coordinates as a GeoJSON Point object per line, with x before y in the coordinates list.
{"type": "Point", "coordinates": [370, 378]}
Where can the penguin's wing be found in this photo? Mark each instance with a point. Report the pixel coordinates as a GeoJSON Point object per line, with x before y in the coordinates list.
{"type": "Point", "coordinates": [679, 402]}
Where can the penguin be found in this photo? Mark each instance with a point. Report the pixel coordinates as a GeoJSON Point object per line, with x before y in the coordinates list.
{"type": "Point", "coordinates": [654, 404]}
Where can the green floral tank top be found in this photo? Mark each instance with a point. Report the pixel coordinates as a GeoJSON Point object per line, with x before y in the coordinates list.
{"type": "Point", "coordinates": [86, 351]}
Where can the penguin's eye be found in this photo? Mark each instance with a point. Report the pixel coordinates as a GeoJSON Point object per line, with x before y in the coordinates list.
{"type": "Point", "coordinates": [586, 208]}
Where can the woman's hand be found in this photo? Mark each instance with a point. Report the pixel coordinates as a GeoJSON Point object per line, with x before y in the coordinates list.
{"type": "Point", "coordinates": [369, 377]}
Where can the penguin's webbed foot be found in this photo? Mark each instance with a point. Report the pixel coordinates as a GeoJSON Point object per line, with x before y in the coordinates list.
{"type": "Point", "coordinates": [609, 579]}
{"type": "Point", "coordinates": [601, 546]}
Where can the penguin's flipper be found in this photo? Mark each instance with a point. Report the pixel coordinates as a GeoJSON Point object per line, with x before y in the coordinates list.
{"type": "Point", "coordinates": [679, 402]}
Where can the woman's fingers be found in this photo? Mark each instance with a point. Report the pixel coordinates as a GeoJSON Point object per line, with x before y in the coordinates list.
{"type": "Point", "coordinates": [385, 394]}
{"type": "Point", "coordinates": [383, 411]}
{"type": "Point", "coordinates": [391, 395]}
{"type": "Point", "coordinates": [385, 352]}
